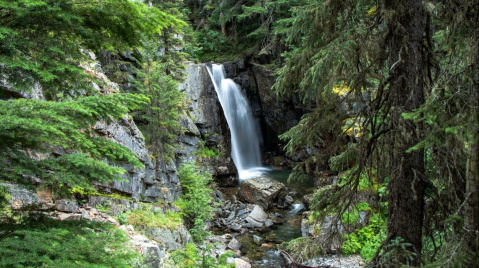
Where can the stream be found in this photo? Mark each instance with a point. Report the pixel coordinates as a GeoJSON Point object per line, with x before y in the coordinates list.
{"type": "Point", "coordinates": [268, 256]}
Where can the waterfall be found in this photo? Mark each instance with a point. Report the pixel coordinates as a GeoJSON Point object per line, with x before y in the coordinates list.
{"type": "Point", "coordinates": [244, 134]}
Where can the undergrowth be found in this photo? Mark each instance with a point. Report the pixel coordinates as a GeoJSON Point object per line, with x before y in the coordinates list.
{"type": "Point", "coordinates": [148, 217]}
{"type": "Point", "coordinates": [191, 257]}
{"type": "Point", "coordinates": [195, 203]}
{"type": "Point", "coordinates": [34, 240]}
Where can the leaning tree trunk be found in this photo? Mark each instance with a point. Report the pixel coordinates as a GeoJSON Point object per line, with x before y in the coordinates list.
{"type": "Point", "coordinates": [471, 223]}
{"type": "Point", "coordinates": [406, 169]}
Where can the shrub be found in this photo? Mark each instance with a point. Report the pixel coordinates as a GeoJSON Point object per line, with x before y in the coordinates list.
{"type": "Point", "coordinates": [196, 199]}
{"type": "Point", "coordinates": [146, 217]}
{"type": "Point", "coordinates": [191, 257]}
{"type": "Point", "coordinates": [367, 239]}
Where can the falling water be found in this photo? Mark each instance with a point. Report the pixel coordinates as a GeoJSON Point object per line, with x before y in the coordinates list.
{"type": "Point", "coordinates": [244, 135]}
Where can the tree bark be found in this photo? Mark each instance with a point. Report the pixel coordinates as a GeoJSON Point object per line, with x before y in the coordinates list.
{"type": "Point", "coordinates": [471, 223]}
{"type": "Point", "coordinates": [406, 170]}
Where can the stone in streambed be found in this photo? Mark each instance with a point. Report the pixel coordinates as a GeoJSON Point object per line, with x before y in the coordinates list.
{"type": "Point", "coordinates": [234, 244]}
{"type": "Point", "coordinates": [257, 240]}
{"type": "Point", "coordinates": [268, 223]}
{"type": "Point", "coordinates": [258, 214]}
{"type": "Point", "coordinates": [261, 191]}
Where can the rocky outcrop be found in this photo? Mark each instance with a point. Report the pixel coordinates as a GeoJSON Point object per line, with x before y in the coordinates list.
{"type": "Point", "coordinates": [203, 105]}
{"type": "Point", "coordinates": [157, 181]}
{"type": "Point", "coordinates": [262, 191]}
{"type": "Point", "coordinates": [275, 115]}
{"type": "Point", "coordinates": [155, 254]}
{"type": "Point", "coordinates": [171, 239]}
{"type": "Point", "coordinates": [206, 127]}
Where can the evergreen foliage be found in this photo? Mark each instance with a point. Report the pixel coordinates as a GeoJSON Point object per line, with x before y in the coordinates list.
{"type": "Point", "coordinates": [191, 257]}
{"type": "Point", "coordinates": [363, 50]}
{"type": "Point", "coordinates": [44, 41]}
{"type": "Point", "coordinates": [56, 141]}
{"type": "Point", "coordinates": [158, 120]}
{"type": "Point", "coordinates": [38, 241]}
{"type": "Point", "coordinates": [195, 203]}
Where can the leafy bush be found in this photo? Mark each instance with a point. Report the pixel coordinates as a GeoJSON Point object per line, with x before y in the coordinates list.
{"type": "Point", "coordinates": [352, 217]}
{"type": "Point", "coordinates": [207, 153]}
{"type": "Point", "coordinates": [367, 239]}
{"type": "Point", "coordinates": [146, 217]}
{"type": "Point", "coordinates": [122, 218]}
{"type": "Point", "coordinates": [191, 257]}
{"type": "Point", "coordinates": [38, 241]}
{"type": "Point", "coordinates": [196, 199]}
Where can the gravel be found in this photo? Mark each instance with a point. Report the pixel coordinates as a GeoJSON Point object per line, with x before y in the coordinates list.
{"type": "Point", "coordinates": [340, 261]}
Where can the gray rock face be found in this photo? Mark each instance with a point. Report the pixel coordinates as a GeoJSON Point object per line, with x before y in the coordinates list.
{"type": "Point", "coordinates": [22, 197]}
{"type": "Point", "coordinates": [157, 181]}
{"type": "Point", "coordinates": [207, 122]}
{"type": "Point", "coordinates": [203, 107]}
{"type": "Point", "coordinates": [172, 239]}
{"type": "Point", "coordinates": [329, 234]}
{"type": "Point", "coordinates": [261, 191]}
{"type": "Point", "coordinates": [150, 250]}
{"type": "Point", "coordinates": [65, 205]}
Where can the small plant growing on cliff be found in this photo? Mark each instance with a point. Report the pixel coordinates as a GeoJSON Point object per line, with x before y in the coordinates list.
{"type": "Point", "coordinates": [191, 257]}
{"type": "Point", "coordinates": [195, 202]}
{"type": "Point", "coordinates": [146, 217]}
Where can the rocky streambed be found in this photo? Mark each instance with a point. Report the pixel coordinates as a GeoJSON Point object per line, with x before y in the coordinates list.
{"type": "Point", "coordinates": [264, 212]}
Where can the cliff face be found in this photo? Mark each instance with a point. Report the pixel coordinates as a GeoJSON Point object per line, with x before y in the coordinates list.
{"type": "Point", "coordinates": [274, 115]}
{"type": "Point", "coordinates": [204, 126]}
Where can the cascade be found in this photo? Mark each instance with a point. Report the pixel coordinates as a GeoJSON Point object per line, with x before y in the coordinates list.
{"type": "Point", "coordinates": [244, 132]}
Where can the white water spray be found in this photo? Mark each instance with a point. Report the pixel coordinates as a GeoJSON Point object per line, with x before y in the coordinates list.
{"type": "Point", "coordinates": [244, 134]}
{"type": "Point", "coordinates": [296, 208]}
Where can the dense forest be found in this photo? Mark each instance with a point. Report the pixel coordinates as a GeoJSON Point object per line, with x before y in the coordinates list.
{"type": "Point", "coordinates": [389, 91]}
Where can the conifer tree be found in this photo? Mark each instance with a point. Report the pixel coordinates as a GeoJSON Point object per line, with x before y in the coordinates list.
{"type": "Point", "coordinates": [44, 42]}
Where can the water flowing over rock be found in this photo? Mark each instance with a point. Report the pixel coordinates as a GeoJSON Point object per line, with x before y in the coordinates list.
{"type": "Point", "coordinates": [244, 132]}
{"type": "Point", "coordinates": [205, 114]}
{"type": "Point", "coordinates": [262, 191]}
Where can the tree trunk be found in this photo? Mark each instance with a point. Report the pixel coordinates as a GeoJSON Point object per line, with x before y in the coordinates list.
{"type": "Point", "coordinates": [406, 170]}
{"type": "Point", "coordinates": [471, 223]}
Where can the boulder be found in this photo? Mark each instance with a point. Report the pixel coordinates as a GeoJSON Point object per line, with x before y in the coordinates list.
{"type": "Point", "coordinates": [234, 244]}
{"type": "Point", "coordinates": [261, 191]}
{"type": "Point", "coordinates": [258, 214]}
{"type": "Point", "coordinates": [239, 263]}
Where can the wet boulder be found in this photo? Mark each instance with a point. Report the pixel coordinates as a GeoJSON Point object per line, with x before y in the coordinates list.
{"type": "Point", "coordinates": [261, 191]}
